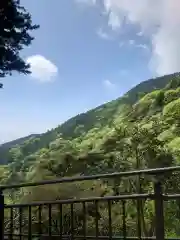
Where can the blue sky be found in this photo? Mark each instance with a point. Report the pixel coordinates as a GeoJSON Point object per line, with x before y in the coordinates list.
{"type": "Point", "coordinates": [85, 53]}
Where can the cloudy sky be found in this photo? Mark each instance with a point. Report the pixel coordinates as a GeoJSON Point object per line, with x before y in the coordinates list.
{"type": "Point", "coordinates": [87, 52]}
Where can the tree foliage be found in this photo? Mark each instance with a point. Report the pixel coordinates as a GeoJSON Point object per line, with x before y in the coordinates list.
{"type": "Point", "coordinates": [15, 27]}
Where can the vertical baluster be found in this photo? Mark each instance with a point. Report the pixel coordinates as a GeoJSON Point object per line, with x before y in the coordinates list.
{"type": "Point", "coordinates": [97, 219]}
{"type": "Point", "coordinates": [139, 203]}
{"type": "Point", "coordinates": [84, 220]}
{"type": "Point", "coordinates": [72, 221]}
{"type": "Point", "coordinates": [1, 215]}
{"type": "Point", "coordinates": [40, 220]}
{"type": "Point", "coordinates": [30, 223]}
{"type": "Point", "coordinates": [60, 220]}
{"type": "Point", "coordinates": [110, 219]}
{"type": "Point", "coordinates": [159, 211]}
{"type": "Point", "coordinates": [124, 219]}
{"type": "Point", "coordinates": [11, 223]}
{"type": "Point", "coordinates": [20, 223]}
{"type": "Point", "coordinates": [50, 219]}
{"type": "Point", "coordinates": [139, 232]}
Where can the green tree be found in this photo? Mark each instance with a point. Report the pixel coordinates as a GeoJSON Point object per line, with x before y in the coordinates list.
{"type": "Point", "coordinates": [159, 100]}
{"type": "Point", "coordinates": [15, 25]}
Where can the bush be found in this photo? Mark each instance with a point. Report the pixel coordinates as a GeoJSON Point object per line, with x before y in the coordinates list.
{"type": "Point", "coordinates": [140, 109]}
{"type": "Point", "coordinates": [159, 100]}
{"type": "Point", "coordinates": [171, 111]}
{"type": "Point", "coordinates": [171, 95]}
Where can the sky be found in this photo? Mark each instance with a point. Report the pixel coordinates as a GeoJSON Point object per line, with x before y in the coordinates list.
{"type": "Point", "coordinates": [86, 53]}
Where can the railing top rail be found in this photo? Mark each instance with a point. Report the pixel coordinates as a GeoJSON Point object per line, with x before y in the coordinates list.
{"type": "Point", "coordinates": [86, 200]}
{"type": "Point", "coordinates": [93, 177]}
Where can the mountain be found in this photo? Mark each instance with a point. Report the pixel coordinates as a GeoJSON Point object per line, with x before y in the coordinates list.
{"type": "Point", "coordinates": [102, 115]}
{"type": "Point", "coordinates": [5, 147]}
{"type": "Point", "coordinates": [138, 131]}
{"type": "Point", "coordinates": [8, 145]}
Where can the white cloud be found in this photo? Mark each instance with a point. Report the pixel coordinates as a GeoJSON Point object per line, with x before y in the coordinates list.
{"type": "Point", "coordinates": [109, 85]}
{"type": "Point", "coordinates": [114, 21]}
{"type": "Point", "coordinates": [89, 2]}
{"type": "Point", "coordinates": [131, 42]}
{"type": "Point", "coordinates": [157, 19]}
{"type": "Point", "coordinates": [103, 34]}
{"type": "Point", "coordinates": [143, 46]}
{"type": "Point", "coordinates": [41, 68]}
{"type": "Point", "coordinates": [134, 44]}
{"type": "Point", "coordinates": [139, 34]}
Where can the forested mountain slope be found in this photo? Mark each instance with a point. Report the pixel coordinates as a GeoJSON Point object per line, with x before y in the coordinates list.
{"type": "Point", "coordinates": [125, 134]}
{"type": "Point", "coordinates": [82, 123]}
{"type": "Point", "coordinates": [5, 147]}
{"type": "Point", "coordinates": [97, 133]}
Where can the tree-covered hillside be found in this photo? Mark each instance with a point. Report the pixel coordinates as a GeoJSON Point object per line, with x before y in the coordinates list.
{"type": "Point", "coordinates": [122, 135]}
{"type": "Point", "coordinates": [77, 126]}
{"type": "Point", "coordinates": [5, 147]}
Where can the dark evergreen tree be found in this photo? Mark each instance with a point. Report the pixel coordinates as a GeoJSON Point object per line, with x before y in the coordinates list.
{"type": "Point", "coordinates": [15, 27]}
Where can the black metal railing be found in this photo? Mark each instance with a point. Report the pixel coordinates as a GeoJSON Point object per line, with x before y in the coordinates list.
{"type": "Point", "coordinates": [80, 218]}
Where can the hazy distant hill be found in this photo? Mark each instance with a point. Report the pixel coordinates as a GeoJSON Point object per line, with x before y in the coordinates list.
{"type": "Point", "coordinates": [4, 148]}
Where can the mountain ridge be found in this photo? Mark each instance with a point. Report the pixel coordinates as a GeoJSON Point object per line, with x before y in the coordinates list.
{"type": "Point", "coordinates": [88, 120]}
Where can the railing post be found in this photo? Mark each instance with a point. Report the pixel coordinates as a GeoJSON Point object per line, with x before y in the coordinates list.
{"type": "Point", "coordinates": [159, 211]}
{"type": "Point", "coordinates": [1, 215]}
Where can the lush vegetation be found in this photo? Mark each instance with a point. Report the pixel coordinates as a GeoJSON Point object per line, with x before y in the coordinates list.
{"type": "Point", "coordinates": [140, 130]}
